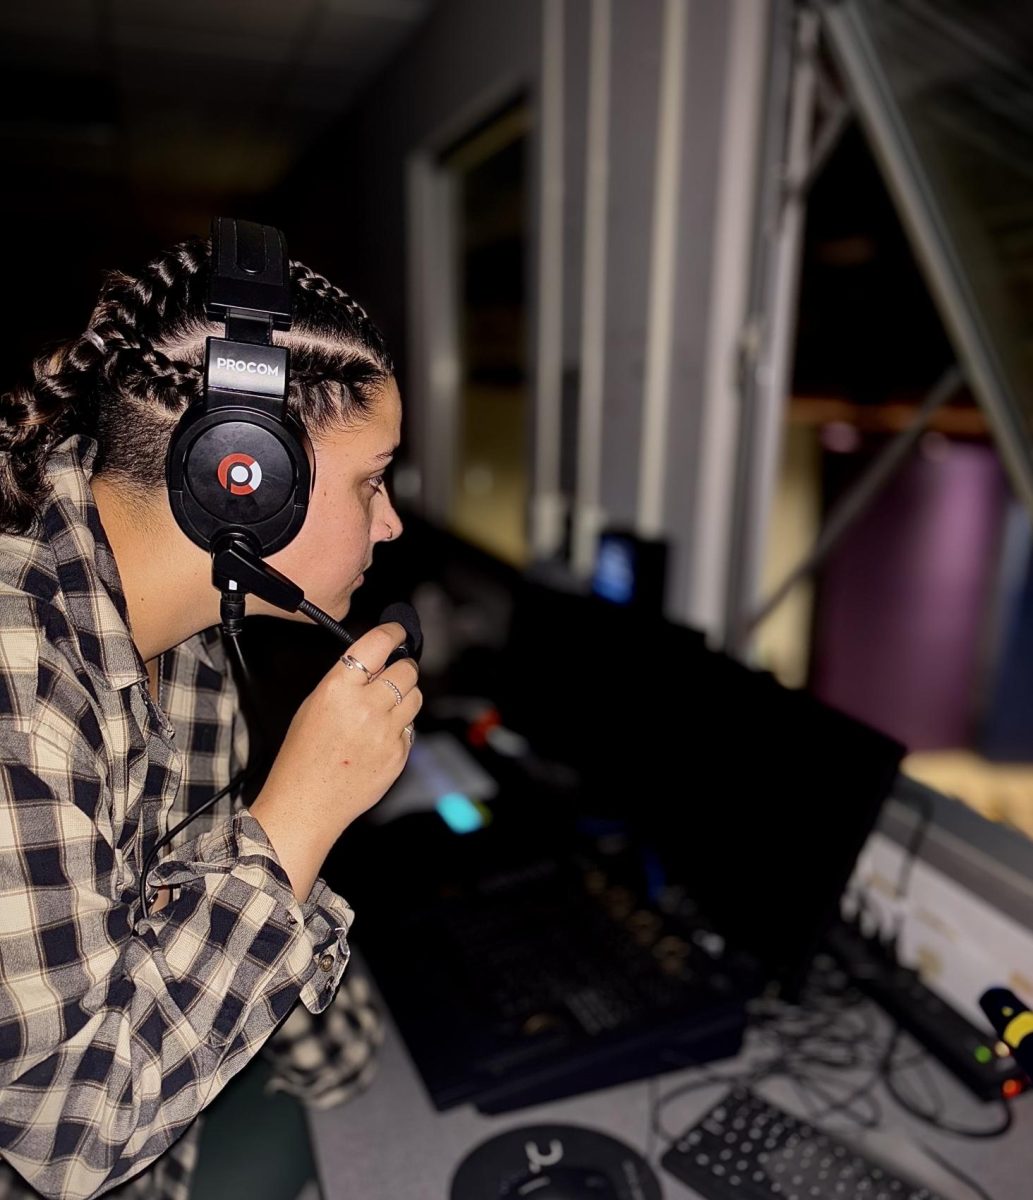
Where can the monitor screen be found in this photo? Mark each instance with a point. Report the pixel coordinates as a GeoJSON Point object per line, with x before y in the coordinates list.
{"type": "Point", "coordinates": [630, 570]}
{"type": "Point", "coordinates": [614, 577]}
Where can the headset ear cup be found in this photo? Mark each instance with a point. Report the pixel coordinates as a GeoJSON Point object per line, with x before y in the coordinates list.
{"type": "Point", "coordinates": [175, 473]}
{"type": "Point", "coordinates": [238, 470]}
{"type": "Point", "coordinates": [301, 439]}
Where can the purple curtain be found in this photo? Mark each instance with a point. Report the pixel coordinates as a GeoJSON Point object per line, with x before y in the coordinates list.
{"type": "Point", "coordinates": [904, 601]}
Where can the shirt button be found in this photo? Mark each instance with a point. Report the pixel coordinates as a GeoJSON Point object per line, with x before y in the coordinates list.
{"type": "Point", "coordinates": [326, 962]}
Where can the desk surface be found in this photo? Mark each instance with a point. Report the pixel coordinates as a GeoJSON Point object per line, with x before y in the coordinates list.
{"type": "Point", "coordinates": [390, 1143]}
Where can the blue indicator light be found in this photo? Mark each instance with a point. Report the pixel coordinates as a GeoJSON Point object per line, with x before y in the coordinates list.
{"type": "Point", "coordinates": [460, 813]}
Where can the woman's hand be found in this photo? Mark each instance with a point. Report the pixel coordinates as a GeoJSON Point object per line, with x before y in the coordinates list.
{"type": "Point", "coordinates": [347, 744]}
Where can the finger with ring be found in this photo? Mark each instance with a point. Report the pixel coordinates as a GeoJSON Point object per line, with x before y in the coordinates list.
{"type": "Point", "coordinates": [351, 663]}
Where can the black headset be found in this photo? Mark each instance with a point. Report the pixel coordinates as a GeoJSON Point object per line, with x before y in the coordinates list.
{"type": "Point", "coordinates": [238, 464]}
{"type": "Point", "coordinates": [237, 467]}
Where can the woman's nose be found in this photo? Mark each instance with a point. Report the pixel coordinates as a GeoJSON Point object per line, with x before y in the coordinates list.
{"type": "Point", "coordinates": [392, 523]}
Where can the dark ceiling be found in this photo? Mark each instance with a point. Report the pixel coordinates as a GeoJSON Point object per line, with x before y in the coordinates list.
{"type": "Point", "coordinates": [126, 124]}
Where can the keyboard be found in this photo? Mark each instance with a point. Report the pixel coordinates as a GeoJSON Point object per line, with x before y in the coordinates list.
{"type": "Point", "coordinates": [747, 1149]}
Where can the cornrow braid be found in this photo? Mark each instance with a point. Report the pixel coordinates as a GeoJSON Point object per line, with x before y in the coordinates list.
{"type": "Point", "coordinates": [174, 281]}
{"type": "Point", "coordinates": [337, 302]}
{"type": "Point", "coordinates": [138, 366]}
{"type": "Point", "coordinates": [132, 363]}
{"type": "Point", "coordinates": [37, 415]}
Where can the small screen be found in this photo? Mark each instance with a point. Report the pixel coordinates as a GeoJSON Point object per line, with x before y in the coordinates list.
{"type": "Point", "coordinates": [615, 570]}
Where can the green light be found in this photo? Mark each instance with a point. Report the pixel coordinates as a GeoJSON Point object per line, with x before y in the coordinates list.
{"type": "Point", "coordinates": [984, 1054]}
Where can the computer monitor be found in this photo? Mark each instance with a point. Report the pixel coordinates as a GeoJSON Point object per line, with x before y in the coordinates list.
{"type": "Point", "coordinates": [753, 797]}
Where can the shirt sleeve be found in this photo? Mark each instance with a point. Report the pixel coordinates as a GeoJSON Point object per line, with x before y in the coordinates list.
{"type": "Point", "coordinates": [113, 1039]}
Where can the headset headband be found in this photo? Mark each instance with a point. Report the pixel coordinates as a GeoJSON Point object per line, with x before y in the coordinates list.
{"type": "Point", "coordinates": [250, 280]}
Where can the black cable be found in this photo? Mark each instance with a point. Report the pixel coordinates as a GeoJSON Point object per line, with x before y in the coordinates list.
{"type": "Point", "coordinates": [888, 940]}
{"type": "Point", "coordinates": [933, 1119]}
{"type": "Point", "coordinates": [327, 621]}
{"type": "Point", "coordinates": [918, 835]}
{"type": "Point", "coordinates": [695, 1085]}
{"type": "Point", "coordinates": [801, 1038]}
{"type": "Point", "coordinates": [239, 779]}
{"type": "Point", "coordinates": [253, 716]}
{"type": "Point", "coordinates": [242, 777]}
{"type": "Point", "coordinates": [843, 1105]}
{"type": "Point", "coordinates": [937, 1122]}
{"type": "Point", "coordinates": [233, 639]}
{"type": "Point", "coordinates": [806, 1059]}
{"type": "Point", "coordinates": [967, 1180]}
{"type": "Point", "coordinates": [926, 813]}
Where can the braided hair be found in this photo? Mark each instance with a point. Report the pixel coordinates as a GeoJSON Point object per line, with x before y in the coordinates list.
{"type": "Point", "coordinates": [129, 377]}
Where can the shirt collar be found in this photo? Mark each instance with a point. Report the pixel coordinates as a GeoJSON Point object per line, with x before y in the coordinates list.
{"type": "Point", "coordinates": [86, 569]}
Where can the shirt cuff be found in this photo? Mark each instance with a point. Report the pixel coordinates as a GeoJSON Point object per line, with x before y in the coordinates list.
{"type": "Point", "coordinates": [317, 957]}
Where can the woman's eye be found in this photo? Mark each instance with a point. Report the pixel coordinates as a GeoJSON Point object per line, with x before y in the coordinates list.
{"type": "Point", "coordinates": [377, 483]}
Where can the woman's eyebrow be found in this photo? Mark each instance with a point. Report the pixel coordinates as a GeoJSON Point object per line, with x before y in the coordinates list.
{"type": "Point", "coordinates": [385, 455]}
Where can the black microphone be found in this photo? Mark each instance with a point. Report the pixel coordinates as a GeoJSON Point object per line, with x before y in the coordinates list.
{"type": "Point", "coordinates": [409, 619]}
{"type": "Point", "coordinates": [238, 569]}
{"type": "Point", "coordinates": [1012, 1022]}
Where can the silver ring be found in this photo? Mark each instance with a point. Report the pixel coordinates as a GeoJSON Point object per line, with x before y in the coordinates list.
{"type": "Point", "coordinates": [393, 687]}
{"type": "Point", "coordinates": [411, 732]}
{"type": "Point", "coordinates": [352, 663]}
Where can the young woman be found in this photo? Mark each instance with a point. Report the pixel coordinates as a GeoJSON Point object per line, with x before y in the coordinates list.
{"type": "Point", "coordinates": [118, 717]}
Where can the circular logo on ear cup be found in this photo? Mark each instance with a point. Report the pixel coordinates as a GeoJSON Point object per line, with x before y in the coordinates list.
{"type": "Point", "coordinates": [240, 474]}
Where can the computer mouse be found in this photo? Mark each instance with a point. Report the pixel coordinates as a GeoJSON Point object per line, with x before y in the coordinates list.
{"type": "Point", "coordinates": [560, 1183]}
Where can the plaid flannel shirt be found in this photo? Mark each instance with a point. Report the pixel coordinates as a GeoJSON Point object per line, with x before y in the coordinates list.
{"type": "Point", "coordinates": [114, 1038]}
